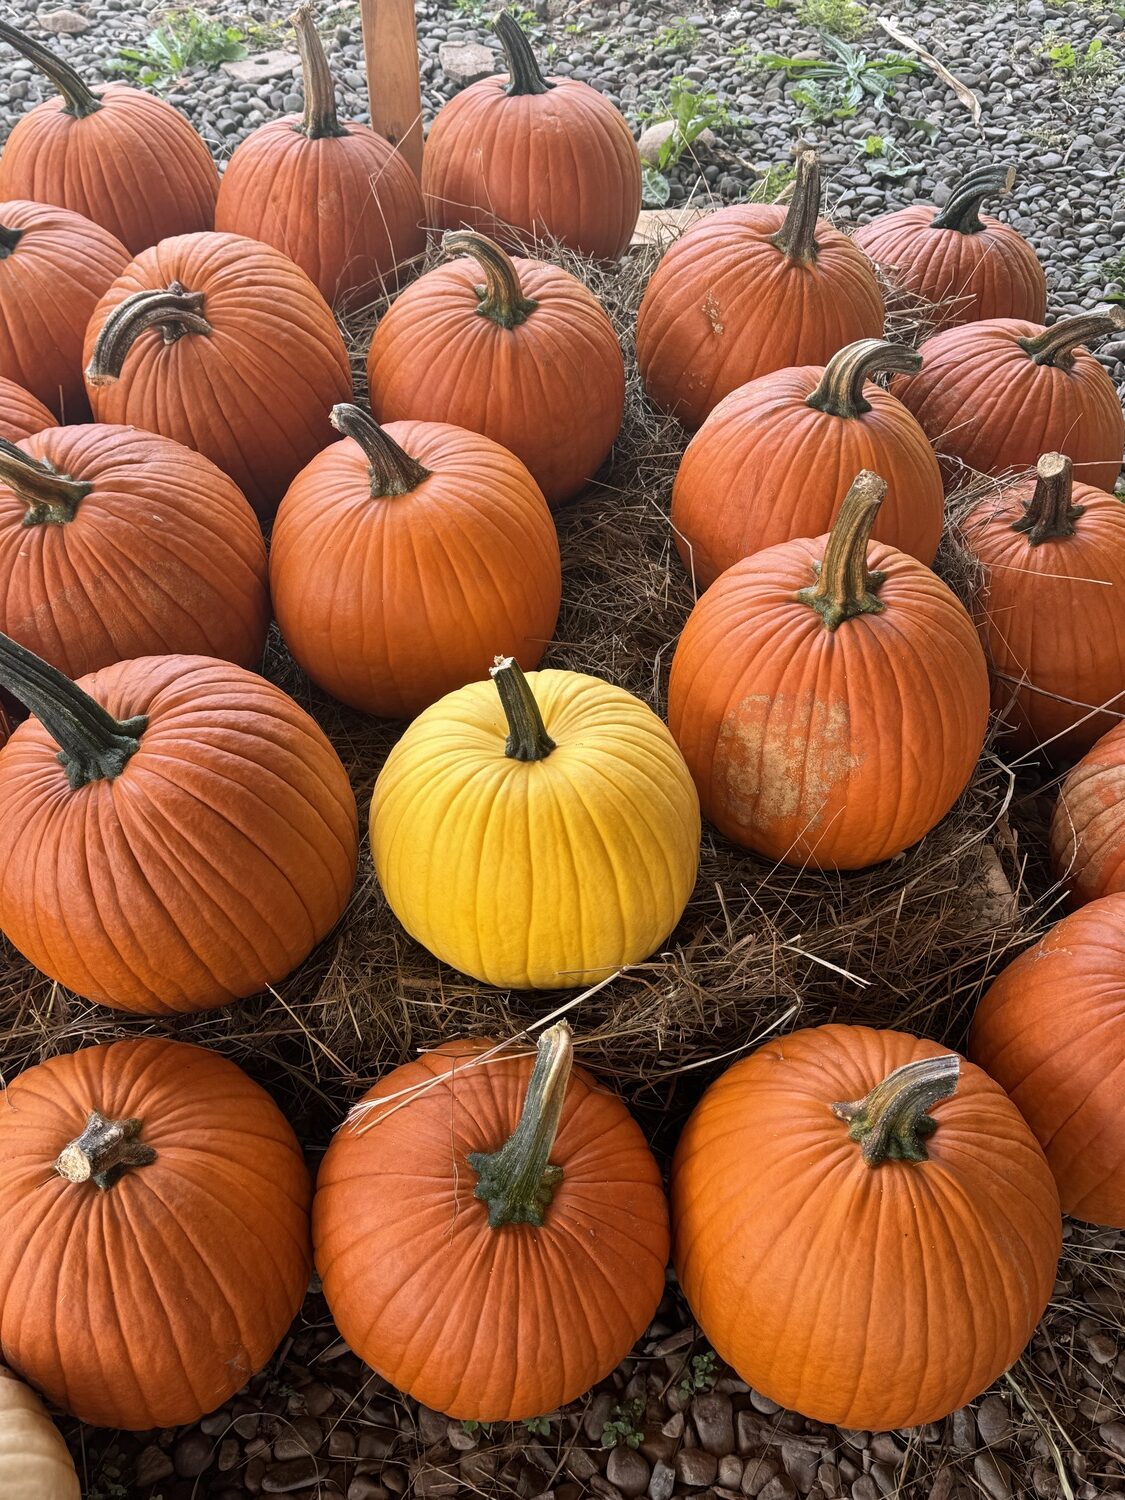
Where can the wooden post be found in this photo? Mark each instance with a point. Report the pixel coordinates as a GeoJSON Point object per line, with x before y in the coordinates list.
{"type": "Point", "coordinates": [394, 83]}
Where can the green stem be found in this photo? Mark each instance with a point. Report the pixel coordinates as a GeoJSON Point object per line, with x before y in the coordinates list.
{"type": "Point", "coordinates": [1056, 345]}
{"type": "Point", "coordinates": [517, 1181]}
{"type": "Point", "coordinates": [844, 588]}
{"type": "Point", "coordinates": [892, 1123]}
{"type": "Point", "coordinates": [51, 498]}
{"type": "Point", "coordinates": [92, 744]}
{"type": "Point", "coordinates": [1049, 515]}
{"type": "Point", "coordinates": [962, 211]}
{"type": "Point", "coordinates": [840, 391]}
{"type": "Point", "coordinates": [104, 1151]}
{"type": "Point", "coordinates": [320, 120]}
{"type": "Point", "coordinates": [527, 734]}
{"type": "Point", "coordinates": [524, 76]}
{"type": "Point", "coordinates": [797, 236]}
{"type": "Point", "coordinates": [501, 298]}
{"type": "Point", "coordinates": [175, 311]}
{"type": "Point", "coordinates": [392, 471]}
{"type": "Point", "coordinates": [79, 100]}
{"type": "Point", "coordinates": [9, 239]}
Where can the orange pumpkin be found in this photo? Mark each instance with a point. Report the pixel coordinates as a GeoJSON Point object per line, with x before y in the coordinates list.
{"type": "Point", "coordinates": [501, 1188]}
{"type": "Point", "coordinates": [1051, 550]}
{"type": "Point", "coordinates": [1051, 1031]}
{"type": "Point", "coordinates": [403, 560]}
{"type": "Point", "coordinates": [192, 842]}
{"type": "Point", "coordinates": [54, 265]}
{"type": "Point", "coordinates": [122, 157]}
{"type": "Point", "coordinates": [1088, 826]}
{"type": "Point", "coordinates": [830, 698]}
{"type": "Point", "coordinates": [968, 265]}
{"type": "Point", "coordinates": [775, 458]}
{"type": "Point", "coordinates": [750, 289]}
{"type": "Point", "coordinates": [526, 158]}
{"type": "Point", "coordinates": [530, 359]}
{"type": "Point", "coordinates": [994, 396]}
{"type": "Point", "coordinates": [154, 1231]}
{"type": "Point", "coordinates": [852, 1255]}
{"type": "Point", "coordinates": [21, 413]}
{"type": "Point", "coordinates": [116, 543]}
{"type": "Point", "coordinates": [223, 344]}
{"type": "Point", "coordinates": [338, 200]}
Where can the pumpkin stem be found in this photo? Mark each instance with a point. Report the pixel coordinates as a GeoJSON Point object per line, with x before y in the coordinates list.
{"type": "Point", "coordinates": [840, 391]}
{"type": "Point", "coordinates": [516, 1181]}
{"type": "Point", "coordinates": [1049, 515]}
{"type": "Point", "coordinates": [524, 76]}
{"type": "Point", "coordinates": [320, 119]}
{"type": "Point", "coordinates": [92, 744]}
{"type": "Point", "coordinates": [527, 734]}
{"type": "Point", "coordinates": [1056, 345]}
{"type": "Point", "coordinates": [892, 1123]}
{"type": "Point", "coordinates": [9, 239]}
{"type": "Point", "coordinates": [844, 588]}
{"type": "Point", "coordinates": [78, 100]}
{"type": "Point", "coordinates": [501, 298]}
{"type": "Point", "coordinates": [392, 471]}
{"type": "Point", "coordinates": [175, 311]}
{"type": "Point", "coordinates": [797, 236]}
{"type": "Point", "coordinates": [104, 1151]}
{"type": "Point", "coordinates": [962, 211]}
{"type": "Point", "coordinates": [50, 497]}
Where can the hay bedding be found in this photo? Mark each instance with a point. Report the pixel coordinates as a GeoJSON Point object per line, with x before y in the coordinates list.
{"type": "Point", "coordinates": [760, 949]}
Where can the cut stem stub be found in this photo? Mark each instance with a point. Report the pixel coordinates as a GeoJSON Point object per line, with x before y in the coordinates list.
{"type": "Point", "coordinates": [104, 1151]}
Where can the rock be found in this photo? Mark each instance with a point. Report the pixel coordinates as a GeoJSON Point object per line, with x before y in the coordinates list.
{"type": "Point", "coordinates": [696, 1468]}
{"type": "Point", "coordinates": [780, 1487]}
{"type": "Point", "coordinates": [64, 22]}
{"type": "Point", "coordinates": [192, 1454]}
{"type": "Point", "coordinates": [363, 1487]}
{"type": "Point", "coordinates": [655, 136]}
{"type": "Point", "coordinates": [260, 67]}
{"type": "Point", "coordinates": [1101, 1346]}
{"type": "Point", "coordinates": [230, 1455]}
{"type": "Point", "coordinates": [298, 1474]}
{"type": "Point", "coordinates": [713, 1417]}
{"type": "Point", "coordinates": [730, 1471]}
{"type": "Point", "coordinates": [993, 1476]}
{"type": "Point", "coordinates": [800, 1463]}
{"type": "Point", "coordinates": [663, 1481]}
{"type": "Point", "coordinates": [466, 62]}
{"type": "Point", "coordinates": [628, 1471]}
{"type": "Point", "coordinates": [1112, 1435]}
{"type": "Point", "coordinates": [828, 1477]}
{"type": "Point", "coordinates": [994, 1423]}
{"type": "Point", "coordinates": [341, 1443]}
{"type": "Point", "coordinates": [757, 1472]}
{"type": "Point", "coordinates": [431, 1425]}
{"type": "Point", "coordinates": [152, 1465]}
{"type": "Point", "coordinates": [964, 1435]}
{"type": "Point", "coordinates": [302, 1436]}
{"type": "Point", "coordinates": [865, 1488]}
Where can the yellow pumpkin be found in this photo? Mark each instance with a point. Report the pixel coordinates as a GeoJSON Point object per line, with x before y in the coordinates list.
{"type": "Point", "coordinates": [34, 1462]}
{"type": "Point", "coordinates": [536, 832]}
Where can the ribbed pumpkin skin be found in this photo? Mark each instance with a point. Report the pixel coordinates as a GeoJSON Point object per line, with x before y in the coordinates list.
{"type": "Point", "coordinates": [1088, 826]}
{"type": "Point", "coordinates": [136, 166]}
{"type": "Point", "coordinates": [537, 876]}
{"type": "Point", "coordinates": [560, 165]}
{"type": "Point", "coordinates": [49, 285]}
{"type": "Point", "coordinates": [986, 405]}
{"type": "Point", "coordinates": [253, 395]}
{"type": "Point", "coordinates": [346, 209]}
{"type": "Point", "coordinates": [1051, 1031]}
{"type": "Point", "coordinates": [765, 468]}
{"type": "Point", "coordinates": [836, 749]}
{"type": "Point", "coordinates": [991, 274]}
{"type": "Point", "coordinates": [163, 556]}
{"type": "Point", "coordinates": [472, 555]}
{"type": "Point", "coordinates": [152, 1302]}
{"type": "Point", "coordinates": [224, 851]}
{"type": "Point", "coordinates": [1052, 616]}
{"type": "Point", "coordinates": [551, 390]}
{"type": "Point", "coordinates": [725, 306]}
{"type": "Point", "coordinates": [872, 1297]}
{"type": "Point", "coordinates": [34, 1461]}
{"type": "Point", "coordinates": [21, 413]}
{"type": "Point", "coordinates": [515, 1321]}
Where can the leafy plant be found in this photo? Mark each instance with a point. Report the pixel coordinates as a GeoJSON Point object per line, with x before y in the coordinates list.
{"type": "Point", "coordinates": [473, 1427]}
{"type": "Point", "coordinates": [834, 88]}
{"type": "Point", "coordinates": [655, 187]}
{"type": "Point", "coordinates": [481, 11]}
{"type": "Point", "coordinates": [540, 1426]}
{"type": "Point", "coordinates": [183, 40]}
{"type": "Point", "coordinates": [770, 186]}
{"type": "Point", "coordinates": [886, 158]}
{"type": "Point", "coordinates": [678, 36]}
{"type": "Point", "coordinates": [844, 18]}
{"type": "Point", "coordinates": [701, 1374]}
{"type": "Point", "coordinates": [691, 112]}
{"type": "Point", "coordinates": [621, 1426]}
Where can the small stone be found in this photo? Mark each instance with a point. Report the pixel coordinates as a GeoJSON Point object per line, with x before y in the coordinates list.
{"type": "Point", "coordinates": [758, 1472]}
{"type": "Point", "coordinates": [152, 1465]}
{"type": "Point", "coordinates": [298, 1474]}
{"type": "Point", "coordinates": [215, 1424]}
{"type": "Point", "coordinates": [885, 1476]}
{"type": "Point", "coordinates": [341, 1443]}
{"type": "Point", "coordinates": [192, 1455]}
{"type": "Point", "coordinates": [466, 62]}
{"type": "Point", "coordinates": [964, 1437]}
{"type": "Point", "coordinates": [230, 1455]}
{"type": "Point", "coordinates": [994, 1423]}
{"type": "Point", "coordinates": [695, 1468]}
{"type": "Point", "coordinates": [292, 104]}
{"type": "Point", "coordinates": [828, 1477]}
{"type": "Point", "coordinates": [579, 1464]}
{"type": "Point", "coordinates": [1112, 1435]}
{"type": "Point", "coordinates": [363, 1487]}
{"type": "Point", "coordinates": [730, 1471]}
{"type": "Point", "coordinates": [674, 1427]}
{"type": "Point", "coordinates": [597, 1415]}
{"type": "Point", "coordinates": [884, 1448]}
{"type": "Point", "coordinates": [993, 1476]}
{"type": "Point", "coordinates": [942, 1487]}
{"type": "Point", "coordinates": [780, 1487]}
{"type": "Point", "coordinates": [63, 22]}
{"type": "Point", "coordinates": [800, 1463]}
{"type": "Point", "coordinates": [302, 1436]}
{"type": "Point", "coordinates": [763, 1404]}
{"type": "Point", "coordinates": [628, 1471]}
{"type": "Point", "coordinates": [261, 67]}
{"type": "Point", "coordinates": [1101, 1346]}
{"type": "Point", "coordinates": [713, 1416]}
{"type": "Point", "coordinates": [865, 1488]}
{"type": "Point", "coordinates": [662, 1482]}
{"type": "Point", "coordinates": [431, 1425]}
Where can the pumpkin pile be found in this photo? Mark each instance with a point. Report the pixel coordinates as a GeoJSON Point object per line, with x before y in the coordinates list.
{"type": "Point", "coordinates": [178, 834]}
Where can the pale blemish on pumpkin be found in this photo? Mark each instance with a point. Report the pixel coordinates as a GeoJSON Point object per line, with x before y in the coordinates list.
{"type": "Point", "coordinates": [712, 313]}
{"type": "Point", "coordinates": [786, 758]}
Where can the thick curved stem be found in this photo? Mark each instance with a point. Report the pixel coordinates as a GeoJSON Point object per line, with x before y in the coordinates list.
{"type": "Point", "coordinates": [9, 239]}
{"type": "Point", "coordinates": [517, 1181]}
{"type": "Point", "coordinates": [892, 1123]}
{"type": "Point", "coordinates": [501, 298]}
{"type": "Point", "coordinates": [175, 311]}
{"type": "Point", "coordinates": [104, 1151]}
{"type": "Point", "coordinates": [1056, 345]}
{"type": "Point", "coordinates": [962, 211]}
{"type": "Point", "coordinates": [79, 100]}
{"type": "Point", "coordinates": [797, 236]}
{"type": "Point", "coordinates": [392, 471]}
{"type": "Point", "coordinates": [93, 745]}
{"type": "Point", "coordinates": [524, 76]}
{"type": "Point", "coordinates": [320, 119]}
{"type": "Point", "coordinates": [840, 390]}
{"type": "Point", "coordinates": [51, 498]}
{"type": "Point", "coordinates": [1049, 515]}
{"type": "Point", "coordinates": [527, 734]}
{"type": "Point", "coordinates": [844, 588]}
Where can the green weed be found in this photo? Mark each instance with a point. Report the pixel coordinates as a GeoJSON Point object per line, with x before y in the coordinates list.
{"type": "Point", "coordinates": [843, 18]}
{"type": "Point", "coordinates": [701, 1375]}
{"type": "Point", "coordinates": [769, 187]}
{"type": "Point", "coordinates": [679, 36]}
{"type": "Point", "coordinates": [622, 1428]}
{"type": "Point", "coordinates": [539, 1426]}
{"type": "Point", "coordinates": [835, 87]}
{"type": "Point", "coordinates": [184, 39]}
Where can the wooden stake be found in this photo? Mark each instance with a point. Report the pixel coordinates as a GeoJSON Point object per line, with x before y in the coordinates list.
{"type": "Point", "coordinates": [394, 83]}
